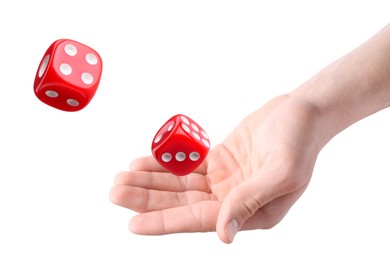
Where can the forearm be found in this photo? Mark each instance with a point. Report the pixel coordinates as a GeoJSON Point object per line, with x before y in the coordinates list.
{"type": "Point", "coordinates": [353, 87]}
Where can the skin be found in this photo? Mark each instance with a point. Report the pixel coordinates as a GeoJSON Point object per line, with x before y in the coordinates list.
{"type": "Point", "coordinates": [252, 179]}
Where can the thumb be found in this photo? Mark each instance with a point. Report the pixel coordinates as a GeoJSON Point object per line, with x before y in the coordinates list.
{"type": "Point", "coordinates": [243, 202]}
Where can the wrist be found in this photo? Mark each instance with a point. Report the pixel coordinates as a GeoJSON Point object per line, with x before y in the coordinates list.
{"type": "Point", "coordinates": [353, 87]}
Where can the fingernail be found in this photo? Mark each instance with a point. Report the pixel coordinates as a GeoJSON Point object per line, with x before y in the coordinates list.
{"type": "Point", "coordinates": [232, 229]}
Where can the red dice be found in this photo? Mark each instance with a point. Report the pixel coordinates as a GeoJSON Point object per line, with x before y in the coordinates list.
{"type": "Point", "coordinates": [68, 75]}
{"type": "Point", "coordinates": [180, 145]}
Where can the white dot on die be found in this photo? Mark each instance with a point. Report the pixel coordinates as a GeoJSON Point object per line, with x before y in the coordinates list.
{"type": "Point", "coordinates": [51, 93]}
{"type": "Point", "coordinates": [72, 102]}
{"type": "Point", "coordinates": [157, 139]}
{"type": "Point", "coordinates": [194, 156]}
{"type": "Point", "coordinates": [185, 120]}
{"type": "Point", "coordinates": [206, 143]}
{"type": "Point", "coordinates": [180, 156]}
{"type": "Point", "coordinates": [43, 66]}
{"type": "Point", "coordinates": [91, 59]}
{"type": "Point", "coordinates": [171, 124]}
{"type": "Point", "coordinates": [195, 127]}
{"type": "Point", "coordinates": [65, 69]}
{"type": "Point", "coordinates": [186, 128]}
{"type": "Point", "coordinates": [195, 134]}
{"type": "Point", "coordinates": [204, 134]}
{"type": "Point", "coordinates": [87, 78]}
{"type": "Point", "coordinates": [70, 49]}
{"type": "Point", "coordinates": [166, 157]}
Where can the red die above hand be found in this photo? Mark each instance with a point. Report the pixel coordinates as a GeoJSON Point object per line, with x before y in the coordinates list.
{"type": "Point", "coordinates": [180, 145]}
{"type": "Point", "coordinates": [68, 75]}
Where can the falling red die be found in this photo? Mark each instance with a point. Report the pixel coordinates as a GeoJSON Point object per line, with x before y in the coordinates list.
{"type": "Point", "coordinates": [68, 75]}
{"type": "Point", "coordinates": [180, 145]}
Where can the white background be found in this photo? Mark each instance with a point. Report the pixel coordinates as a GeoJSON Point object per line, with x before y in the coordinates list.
{"type": "Point", "coordinates": [215, 61]}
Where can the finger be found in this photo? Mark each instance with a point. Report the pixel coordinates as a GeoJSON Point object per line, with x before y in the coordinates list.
{"type": "Point", "coordinates": [145, 200]}
{"type": "Point", "coordinates": [245, 200]}
{"type": "Point", "coordinates": [146, 163]}
{"type": "Point", "coordinates": [149, 163]}
{"type": "Point", "coordinates": [163, 181]}
{"type": "Point", "coordinates": [199, 217]}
